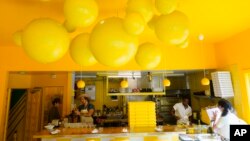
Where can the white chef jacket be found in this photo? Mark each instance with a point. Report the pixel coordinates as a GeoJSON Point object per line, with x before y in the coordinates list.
{"type": "Point", "coordinates": [183, 113]}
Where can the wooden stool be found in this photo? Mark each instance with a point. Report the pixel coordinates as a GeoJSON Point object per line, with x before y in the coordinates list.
{"type": "Point", "coordinates": [63, 139]}
{"type": "Point", "coordinates": [121, 139]}
{"type": "Point", "coordinates": [150, 138]}
{"type": "Point", "coordinates": [93, 139]}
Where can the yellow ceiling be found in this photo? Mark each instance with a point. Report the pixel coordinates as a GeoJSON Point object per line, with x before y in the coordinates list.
{"type": "Point", "coordinates": [216, 19]}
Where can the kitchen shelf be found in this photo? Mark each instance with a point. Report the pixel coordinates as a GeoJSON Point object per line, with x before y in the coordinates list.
{"type": "Point", "coordinates": [140, 93]}
{"type": "Point", "coordinates": [153, 87]}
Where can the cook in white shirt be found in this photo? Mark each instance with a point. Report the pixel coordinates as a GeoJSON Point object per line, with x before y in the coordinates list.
{"type": "Point", "coordinates": [182, 111]}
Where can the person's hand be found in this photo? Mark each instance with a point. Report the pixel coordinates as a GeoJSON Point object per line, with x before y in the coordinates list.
{"type": "Point", "coordinates": [77, 112]}
{"type": "Point", "coordinates": [215, 113]}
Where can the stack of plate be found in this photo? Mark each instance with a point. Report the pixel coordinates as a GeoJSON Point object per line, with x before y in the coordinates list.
{"type": "Point", "coordinates": [222, 84]}
{"type": "Point", "coordinates": [142, 114]}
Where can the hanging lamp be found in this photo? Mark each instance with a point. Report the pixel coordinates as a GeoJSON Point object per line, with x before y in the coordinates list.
{"type": "Point", "coordinates": [166, 82]}
{"type": "Point", "coordinates": [80, 83]}
{"type": "Point", "coordinates": [124, 83]}
{"type": "Point", "coordinates": [204, 81]}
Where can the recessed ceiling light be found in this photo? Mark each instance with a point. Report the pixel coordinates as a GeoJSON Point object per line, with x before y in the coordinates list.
{"type": "Point", "coordinates": [201, 37]}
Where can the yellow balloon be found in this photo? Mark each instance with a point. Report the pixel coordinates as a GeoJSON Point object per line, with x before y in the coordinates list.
{"type": "Point", "coordinates": [172, 28]}
{"type": "Point", "coordinates": [80, 13]}
{"type": "Point", "coordinates": [166, 82]}
{"type": "Point", "coordinates": [70, 28]}
{"type": "Point", "coordinates": [183, 44]}
{"type": "Point", "coordinates": [80, 84]}
{"type": "Point", "coordinates": [111, 44]}
{"type": "Point", "coordinates": [143, 7]}
{"type": "Point", "coordinates": [17, 38]}
{"type": "Point", "coordinates": [124, 84]}
{"type": "Point", "coordinates": [80, 51]}
{"type": "Point", "coordinates": [166, 6]}
{"type": "Point", "coordinates": [148, 56]}
{"type": "Point", "coordinates": [134, 23]}
{"type": "Point", "coordinates": [151, 23]}
{"type": "Point", "coordinates": [205, 81]}
{"type": "Point", "coordinates": [45, 40]}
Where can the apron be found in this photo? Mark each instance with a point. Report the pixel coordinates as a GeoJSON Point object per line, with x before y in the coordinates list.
{"type": "Point", "coordinates": [86, 119]}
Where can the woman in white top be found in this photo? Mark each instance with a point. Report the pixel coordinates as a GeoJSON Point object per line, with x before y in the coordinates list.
{"type": "Point", "coordinates": [227, 118]}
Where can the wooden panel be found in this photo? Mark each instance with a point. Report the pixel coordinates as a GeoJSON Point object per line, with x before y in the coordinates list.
{"type": "Point", "coordinates": [49, 93]}
{"type": "Point", "coordinates": [33, 114]}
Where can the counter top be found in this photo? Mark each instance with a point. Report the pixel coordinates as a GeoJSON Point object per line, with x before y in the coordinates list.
{"type": "Point", "coordinates": [107, 131]}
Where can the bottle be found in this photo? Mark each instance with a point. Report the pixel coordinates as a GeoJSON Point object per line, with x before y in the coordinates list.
{"type": "Point", "coordinates": [199, 126]}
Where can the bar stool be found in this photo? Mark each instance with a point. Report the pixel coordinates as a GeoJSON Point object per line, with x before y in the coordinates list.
{"type": "Point", "coordinates": [63, 139]}
{"type": "Point", "coordinates": [120, 139]}
{"type": "Point", "coordinates": [150, 138]}
{"type": "Point", "coordinates": [93, 139]}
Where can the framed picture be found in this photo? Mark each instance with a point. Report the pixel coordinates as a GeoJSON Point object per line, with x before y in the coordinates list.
{"type": "Point", "coordinates": [90, 90]}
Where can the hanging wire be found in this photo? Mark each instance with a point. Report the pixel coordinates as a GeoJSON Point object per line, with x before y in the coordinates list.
{"type": "Point", "coordinates": [201, 38]}
{"type": "Point", "coordinates": [81, 71]}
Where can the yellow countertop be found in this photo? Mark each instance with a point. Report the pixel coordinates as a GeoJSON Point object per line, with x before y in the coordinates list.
{"type": "Point", "coordinates": [107, 131]}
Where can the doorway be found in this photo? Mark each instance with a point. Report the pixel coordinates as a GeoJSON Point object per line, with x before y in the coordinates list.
{"type": "Point", "coordinates": [23, 120]}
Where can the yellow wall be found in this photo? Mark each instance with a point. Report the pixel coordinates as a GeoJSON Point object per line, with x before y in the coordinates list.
{"type": "Point", "coordinates": [13, 58]}
{"type": "Point", "coordinates": [233, 55]}
{"type": "Point", "coordinates": [45, 80]}
{"type": "Point", "coordinates": [3, 99]}
{"type": "Point", "coordinates": [19, 80]}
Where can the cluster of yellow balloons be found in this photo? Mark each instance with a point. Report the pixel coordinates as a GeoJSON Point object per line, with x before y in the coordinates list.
{"type": "Point", "coordinates": [113, 41]}
{"type": "Point", "coordinates": [111, 44]}
{"type": "Point", "coordinates": [80, 50]}
{"type": "Point", "coordinates": [45, 40]}
{"type": "Point", "coordinates": [148, 55]}
{"type": "Point", "coordinates": [80, 13]}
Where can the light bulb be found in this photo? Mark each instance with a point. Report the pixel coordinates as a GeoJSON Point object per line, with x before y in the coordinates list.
{"type": "Point", "coordinates": [166, 82]}
{"type": "Point", "coordinates": [80, 84]}
{"type": "Point", "coordinates": [205, 81]}
{"type": "Point", "coordinates": [201, 37]}
{"type": "Point", "coordinates": [124, 83]}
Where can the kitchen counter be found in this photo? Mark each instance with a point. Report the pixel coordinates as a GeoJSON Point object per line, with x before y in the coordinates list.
{"type": "Point", "coordinates": [110, 132]}
{"type": "Point", "coordinates": [169, 132]}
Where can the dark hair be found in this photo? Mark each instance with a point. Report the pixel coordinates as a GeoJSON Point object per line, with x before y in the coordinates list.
{"type": "Point", "coordinates": [226, 105]}
{"type": "Point", "coordinates": [185, 97]}
{"type": "Point", "coordinates": [56, 100]}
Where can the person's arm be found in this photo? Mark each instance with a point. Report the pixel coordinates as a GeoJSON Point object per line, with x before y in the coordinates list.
{"type": "Point", "coordinates": [91, 110]}
{"type": "Point", "coordinates": [216, 123]}
{"type": "Point", "coordinates": [173, 113]}
{"type": "Point", "coordinates": [90, 113]}
{"type": "Point", "coordinates": [77, 110]}
{"type": "Point", "coordinates": [190, 116]}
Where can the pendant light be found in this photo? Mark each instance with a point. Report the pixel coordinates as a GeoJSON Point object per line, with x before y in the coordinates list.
{"type": "Point", "coordinates": [166, 81]}
{"type": "Point", "coordinates": [204, 81]}
{"type": "Point", "coordinates": [124, 83]}
{"type": "Point", "coordinates": [80, 83]}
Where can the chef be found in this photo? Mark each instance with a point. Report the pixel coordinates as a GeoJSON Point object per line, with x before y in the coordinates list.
{"type": "Point", "coordinates": [85, 110]}
{"type": "Point", "coordinates": [182, 111]}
